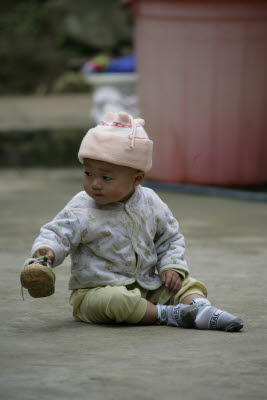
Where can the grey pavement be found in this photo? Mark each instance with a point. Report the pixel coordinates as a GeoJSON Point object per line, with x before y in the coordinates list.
{"type": "Point", "coordinates": [27, 113]}
{"type": "Point", "coordinates": [42, 130]}
{"type": "Point", "coordinates": [46, 354]}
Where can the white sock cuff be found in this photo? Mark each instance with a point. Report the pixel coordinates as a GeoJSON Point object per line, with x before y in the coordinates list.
{"type": "Point", "coordinates": [162, 312]}
{"type": "Point", "coordinates": [159, 310]}
{"type": "Point", "coordinates": [201, 301]}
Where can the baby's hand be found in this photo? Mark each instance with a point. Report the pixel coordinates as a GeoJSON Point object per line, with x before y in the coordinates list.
{"type": "Point", "coordinates": [45, 251]}
{"type": "Point", "coordinates": [172, 281]}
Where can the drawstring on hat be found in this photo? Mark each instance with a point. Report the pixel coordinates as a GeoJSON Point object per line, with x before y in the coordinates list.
{"type": "Point", "coordinates": [133, 132]}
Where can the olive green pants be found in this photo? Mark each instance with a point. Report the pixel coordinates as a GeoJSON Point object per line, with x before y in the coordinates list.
{"type": "Point", "coordinates": [117, 304]}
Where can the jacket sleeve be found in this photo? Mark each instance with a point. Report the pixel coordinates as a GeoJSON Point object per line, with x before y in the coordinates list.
{"type": "Point", "coordinates": [61, 235]}
{"type": "Point", "coordinates": [170, 244]}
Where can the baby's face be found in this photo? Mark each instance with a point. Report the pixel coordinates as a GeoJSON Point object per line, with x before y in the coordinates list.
{"type": "Point", "coordinates": [107, 183]}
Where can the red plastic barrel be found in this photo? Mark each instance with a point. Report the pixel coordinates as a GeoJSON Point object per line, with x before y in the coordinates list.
{"type": "Point", "coordinates": [203, 89]}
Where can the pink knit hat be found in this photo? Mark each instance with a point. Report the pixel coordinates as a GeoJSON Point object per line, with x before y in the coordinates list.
{"type": "Point", "coordinates": [118, 139]}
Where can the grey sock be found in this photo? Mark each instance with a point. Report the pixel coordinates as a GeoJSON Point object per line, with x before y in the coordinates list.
{"type": "Point", "coordinates": [182, 315]}
{"type": "Point", "coordinates": [210, 317]}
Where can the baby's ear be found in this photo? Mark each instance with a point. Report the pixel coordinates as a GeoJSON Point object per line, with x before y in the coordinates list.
{"type": "Point", "coordinates": [139, 177]}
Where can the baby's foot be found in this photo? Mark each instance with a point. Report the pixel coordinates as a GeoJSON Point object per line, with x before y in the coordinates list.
{"type": "Point", "coordinates": [209, 317]}
{"type": "Point", "coordinates": [182, 315]}
{"type": "Point", "coordinates": [38, 277]}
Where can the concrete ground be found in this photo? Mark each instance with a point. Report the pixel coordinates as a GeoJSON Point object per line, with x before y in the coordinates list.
{"type": "Point", "coordinates": [46, 354]}
{"type": "Point", "coordinates": [26, 113]}
{"type": "Point", "coordinates": [43, 130]}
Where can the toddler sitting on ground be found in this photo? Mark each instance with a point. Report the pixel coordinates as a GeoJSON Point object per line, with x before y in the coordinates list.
{"type": "Point", "coordinates": [127, 252]}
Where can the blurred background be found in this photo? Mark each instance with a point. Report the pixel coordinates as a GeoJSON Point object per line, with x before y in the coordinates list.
{"type": "Point", "coordinates": [54, 56]}
{"type": "Point", "coordinates": [195, 70]}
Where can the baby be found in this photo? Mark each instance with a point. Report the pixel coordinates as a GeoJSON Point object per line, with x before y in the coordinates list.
{"type": "Point", "coordinates": [127, 253]}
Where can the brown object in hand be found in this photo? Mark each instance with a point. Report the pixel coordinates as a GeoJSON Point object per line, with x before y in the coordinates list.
{"type": "Point", "coordinates": [38, 279]}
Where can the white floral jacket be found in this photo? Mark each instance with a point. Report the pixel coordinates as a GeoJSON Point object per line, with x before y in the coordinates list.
{"type": "Point", "coordinates": [116, 244]}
